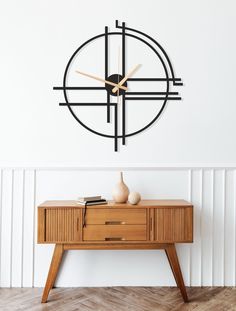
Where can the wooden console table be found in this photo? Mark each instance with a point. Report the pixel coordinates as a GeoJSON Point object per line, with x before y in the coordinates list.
{"type": "Point", "coordinates": [152, 224]}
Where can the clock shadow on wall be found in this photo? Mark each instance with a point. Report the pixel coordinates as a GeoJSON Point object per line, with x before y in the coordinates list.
{"type": "Point", "coordinates": [106, 79]}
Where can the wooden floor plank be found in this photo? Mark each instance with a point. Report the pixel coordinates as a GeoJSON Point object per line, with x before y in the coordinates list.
{"type": "Point", "coordinates": [119, 299]}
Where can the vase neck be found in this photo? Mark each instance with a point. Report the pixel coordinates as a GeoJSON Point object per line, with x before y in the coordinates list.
{"type": "Point", "coordinates": [121, 176]}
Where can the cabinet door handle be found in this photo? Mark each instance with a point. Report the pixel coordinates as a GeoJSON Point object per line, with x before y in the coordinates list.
{"type": "Point", "coordinates": [114, 222]}
{"type": "Point", "coordinates": [151, 224]}
{"type": "Point", "coordinates": [77, 224]}
{"type": "Point", "coordinates": [115, 239]}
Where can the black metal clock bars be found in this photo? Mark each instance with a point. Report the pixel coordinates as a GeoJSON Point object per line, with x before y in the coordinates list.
{"type": "Point", "coordinates": [123, 74]}
{"type": "Point", "coordinates": [106, 73]}
{"type": "Point", "coordinates": [175, 80]}
{"type": "Point", "coordinates": [116, 78]}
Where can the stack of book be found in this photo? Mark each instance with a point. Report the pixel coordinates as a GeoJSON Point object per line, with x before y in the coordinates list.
{"type": "Point", "coordinates": [95, 200]}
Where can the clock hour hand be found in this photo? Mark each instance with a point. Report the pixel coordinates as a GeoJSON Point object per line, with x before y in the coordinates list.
{"type": "Point", "coordinates": [129, 74]}
{"type": "Point", "coordinates": [102, 80]}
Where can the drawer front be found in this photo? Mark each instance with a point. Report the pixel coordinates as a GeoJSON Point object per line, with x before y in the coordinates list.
{"type": "Point", "coordinates": [173, 225]}
{"type": "Point", "coordinates": [59, 225]}
{"type": "Point", "coordinates": [114, 233]}
{"type": "Point", "coordinates": [116, 216]}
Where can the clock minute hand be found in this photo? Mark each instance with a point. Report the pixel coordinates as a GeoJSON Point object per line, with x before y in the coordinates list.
{"type": "Point", "coordinates": [129, 74]}
{"type": "Point", "coordinates": [102, 80]}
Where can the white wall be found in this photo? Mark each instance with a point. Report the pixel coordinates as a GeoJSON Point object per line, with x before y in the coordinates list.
{"type": "Point", "coordinates": [37, 39]}
{"type": "Point", "coordinates": [189, 153]}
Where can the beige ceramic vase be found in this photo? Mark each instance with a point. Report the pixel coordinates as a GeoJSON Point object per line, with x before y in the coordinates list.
{"type": "Point", "coordinates": [134, 198]}
{"type": "Point", "coordinates": [121, 192]}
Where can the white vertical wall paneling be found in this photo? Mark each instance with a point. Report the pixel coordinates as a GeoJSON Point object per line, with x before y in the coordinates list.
{"type": "Point", "coordinates": [28, 228]}
{"type": "Point", "coordinates": [42, 255]}
{"type": "Point", "coordinates": [34, 229]}
{"type": "Point", "coordinates": [196, 247]}
{"type": "Point", "coordinates": [218, 222]}
{"type": "Point", "coordinates": [229, 229]}
{"type": "Point", "coordinates": [1, 184]}
{"type": "Point", "coordinates": [6, 256]}
{"type": "Point", "coordinates": [213, 217]}
{"type": "Point", "coordinates": [183, 250]}
{"type": "Point", "coordinates": [22, 228]}
{"type": "Point", "coordinates": [190, 246]}
{"type": "Point", "coordinates": [17, 228]}
{"type": "Point", "coordinates": [210, 260]}
{"type": "Point", "coordinates": [235, 225]}
{"type": "Point", "coordinates": [207, 227]}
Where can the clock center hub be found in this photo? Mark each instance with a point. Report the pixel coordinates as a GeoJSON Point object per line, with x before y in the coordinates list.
{"type": "Point", "coordinates": [115, 78]}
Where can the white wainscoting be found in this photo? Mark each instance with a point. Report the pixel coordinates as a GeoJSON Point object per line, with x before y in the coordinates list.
{"type": "Point", "coordinates": [209, 261]}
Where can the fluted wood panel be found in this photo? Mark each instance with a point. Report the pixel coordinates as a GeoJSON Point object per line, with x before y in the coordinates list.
{"type": "Point", "coordinates": [62, 225]}
{"type": "Point", "coordinates": [173, 224]}
{"type": "Point", "coordinates": [210, 260]}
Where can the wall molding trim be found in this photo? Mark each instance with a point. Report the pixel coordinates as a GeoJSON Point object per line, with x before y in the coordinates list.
{"type": "Point", "coordinates": [125, 166]}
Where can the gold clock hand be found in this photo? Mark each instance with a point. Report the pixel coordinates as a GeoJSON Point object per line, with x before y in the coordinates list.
{"type": "Point", "coordinates": [102, 80]}
{"type": "Point", "coordinates": [129, 74]}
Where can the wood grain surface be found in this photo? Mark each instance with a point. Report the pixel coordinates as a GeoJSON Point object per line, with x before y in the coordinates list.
{"type": "Point", "coordinates": [115, 233]}
{"type": "Point", "coordinates": [119, 299]}
{"type": "Point", "coordinates": [102, 216]}
{"type": "Point", "coordinates": [111, 204]}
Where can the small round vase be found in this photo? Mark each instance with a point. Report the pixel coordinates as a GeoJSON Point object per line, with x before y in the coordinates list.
{"type": "Point", "coordinates": [121, 192]}
{"type": "Point", "coordinates": [134, 198]}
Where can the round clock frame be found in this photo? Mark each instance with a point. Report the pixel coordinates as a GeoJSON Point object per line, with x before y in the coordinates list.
{"type": "Point", "coordinates": [116, 78]}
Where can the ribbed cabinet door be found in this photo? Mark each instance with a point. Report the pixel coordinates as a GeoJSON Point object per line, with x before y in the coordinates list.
{"type": "Point", "coordinates": [62, 225]}
{"type": "Point", "coordinates": [173, 225]}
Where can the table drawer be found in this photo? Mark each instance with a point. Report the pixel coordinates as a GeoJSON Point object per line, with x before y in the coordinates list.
{"type": "Point", "coordinates": [114, 233]}
{"type": "Point", "coordinates": [106, 216]}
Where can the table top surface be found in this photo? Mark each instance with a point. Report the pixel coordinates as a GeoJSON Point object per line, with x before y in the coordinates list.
{"type": "Point", "coordinates": [112, 204]}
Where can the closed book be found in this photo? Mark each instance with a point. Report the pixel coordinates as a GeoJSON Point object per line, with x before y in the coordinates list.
{"type": "Point", "coordinates": [88, 199]}
{"type": "Point", "coordinates": [97, 203]}
{"type": "Point", "coordinates": [94, 202]}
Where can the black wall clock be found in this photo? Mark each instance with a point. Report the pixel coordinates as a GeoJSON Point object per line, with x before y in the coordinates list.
{"type": "Point", "coordinates": [131, 83]}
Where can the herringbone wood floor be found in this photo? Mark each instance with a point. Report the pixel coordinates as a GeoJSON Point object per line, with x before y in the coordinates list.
{"type": "Point", "coordinates": [118, 299]}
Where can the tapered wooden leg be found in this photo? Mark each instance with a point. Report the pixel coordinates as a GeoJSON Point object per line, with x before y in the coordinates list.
{"type": "Point", "coordinates": [52, 273]}
{"type": "Point", "coordinates": [174, 263]}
